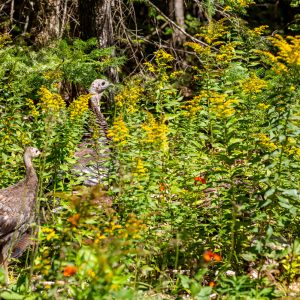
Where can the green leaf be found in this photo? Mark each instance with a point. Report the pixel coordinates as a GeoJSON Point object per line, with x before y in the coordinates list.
{"type": "Point", "coordinates": [269, 192]}
{"type": "Point", "coordinates": [6, 295]}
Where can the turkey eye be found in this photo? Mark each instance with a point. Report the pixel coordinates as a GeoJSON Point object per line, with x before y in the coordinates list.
{"type": "Point", "coordinates": [103, 83]}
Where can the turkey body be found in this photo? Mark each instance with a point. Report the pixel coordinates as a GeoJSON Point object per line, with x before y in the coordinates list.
{"type": "Point", "coordinates": [94, 156]}
{"type": "Point", "coordinates": [17, 208]}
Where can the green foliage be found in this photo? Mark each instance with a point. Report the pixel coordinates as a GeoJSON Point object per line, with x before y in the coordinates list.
{"type": "Point", "coordinates": [204, 201]}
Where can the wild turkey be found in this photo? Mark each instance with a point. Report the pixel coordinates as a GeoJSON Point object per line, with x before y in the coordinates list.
{"type": "Point", "coordinates": [94, 156]}
{"type": "Point", "coordinates": [17, 208]}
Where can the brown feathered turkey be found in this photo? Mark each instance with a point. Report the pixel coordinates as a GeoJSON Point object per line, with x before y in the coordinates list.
{"type": "Point", "coordinates": [17, 210]}
{"type": "Point", "coordinates": [94, 157]}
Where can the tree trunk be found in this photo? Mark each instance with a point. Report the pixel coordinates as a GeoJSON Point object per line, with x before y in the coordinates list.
{"type": "Point", "coordinates": [50, 21]}
{"type": "Point", "coordinates": [176, 11]}
{"type": "Point", "coordinates": [96, 20]}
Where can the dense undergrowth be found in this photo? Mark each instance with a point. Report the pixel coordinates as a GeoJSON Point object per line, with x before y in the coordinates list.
{"type": "Point", "coordinates": [205, 187]}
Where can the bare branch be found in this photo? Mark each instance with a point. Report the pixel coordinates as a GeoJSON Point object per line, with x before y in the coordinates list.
{"type": "Point", "coordinates": [178, 27]}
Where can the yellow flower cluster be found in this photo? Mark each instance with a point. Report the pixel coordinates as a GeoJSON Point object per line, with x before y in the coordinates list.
{"type": "Point", "coordinates": [221, 106]}
{"type": "Point", "coordinates": [119, 132]}
{"type": "Point", "coordinates": [161, 56]}
{"type": "Point", "coordinates": [253, 84]}
{"type": "Point", "coordinates": [213, 32]}
{"type": "Point", "coordinates": [296, 151]}
{"type": "Point", "coordinates": [292, 147]}
{"type": "Point", "coordinates": [227, 53]}
{"type": "Point", "coordinates": [238, 4]}
{"type": "Point", "coordinates": [244, 3]}
{"type": "Point", "coordinates": [113, 227]}
{"type": "Point", "coordinates": [259, 30]}
{"type": "Point", "coordinates": [288, 53]}
{"type": "Point", "coordinates": [33, 109]}
{"type": "Point", "coordinates": [50, 233]}
{"type": "Point", "coordinates": [79, 106]}
{"type": "Point", "coordinates": [50, 101]}
{"type": "Point", "coordinates": [266, 141]}
{"type": "Point", "coordinates": [140, 170]}
{"type": "Point", "coordinates": [191, 107]}
{"type": "Point", "coordinates": [198, 48]}
{"type": "Point", "coordinates": [52, 74]}
{"type": "Point", "coordinates": [176, 74]}
{"type": "Point", "coordinates": [129, 96]}
{"type": "Point", "coordinates": [162, 60]}
{"type": "Point", "coordinates": [132, 228]}
{"type": "Point", "coordinates": [156, 132]}
{"type": "Point", "coordinates": [263, 106]}
{"type": "Point", "coordinates": [150, 67]}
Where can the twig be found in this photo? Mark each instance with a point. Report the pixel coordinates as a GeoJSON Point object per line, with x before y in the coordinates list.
{"type": "Point", "coordinates": [64, 17]}
{"type": "Point", "coordinates": [178, 27]}
{"type": "Point", "coordinates": [12, 10]}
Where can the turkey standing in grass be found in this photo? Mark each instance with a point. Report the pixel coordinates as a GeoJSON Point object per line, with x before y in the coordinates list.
{"type": "Point", "coordinates": [94, 156]}
{"type": "Point", "coordinates": [17, 210]}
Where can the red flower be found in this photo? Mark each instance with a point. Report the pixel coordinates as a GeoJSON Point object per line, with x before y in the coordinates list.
{"type": "Point", "coordinates": [70, 271]}
{"type": "Point", "coordinates": [198, 178]}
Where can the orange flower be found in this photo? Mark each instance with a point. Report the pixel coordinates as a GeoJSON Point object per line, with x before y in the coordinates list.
{"type": "Point", "coordinates": [163, 186]}
{"type": "Point", "coordinates": [208, 255]}
{"type": "Point", "coordinates": [212, 284]}
{"type": "Point", "coordinates": [211, 256]}
{"type": "Point", "coordinates": [70, 271]}
{"type": "Point", "coordinates": [198, 178]}
{"type": "Point", "coordinates": [74, 219]}
{"type": "Point", "coordinates": [217, 257]}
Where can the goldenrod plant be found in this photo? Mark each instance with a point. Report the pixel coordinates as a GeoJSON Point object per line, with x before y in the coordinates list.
{"type": "Point", "coordinates": [203, 199]}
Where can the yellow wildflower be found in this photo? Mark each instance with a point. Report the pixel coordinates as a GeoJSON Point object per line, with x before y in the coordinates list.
{"type": "Point", "coordinates": [79, 106]}
{"type": "Point", "coordinates": [91, 273]}
{"type": "Point", "coordinates": [156, 132]}
{"type": "Point", "coordinates": [119, 132]}
{"type": "Point", "coordinates": [213, 32]}
{"type": "Point", "coordinates": [34, 111]}
{"type": "Point", "coordinates": [129, 96]}
{"type": "Point", "coordinates": [221, 105]}
{"type": "Point", "coordinates": [150, 67]}
{"type": "Point", "coordinates": [198, 48]}
{"type": "Point", "coordinates": [288, 53]}
{"type": "Point", "coordinates": [161, 56]}
{"type": "Point", "coordinates": [259, 30]}
{"type": "Point", "coordinates": [140, 170]}
{"type": "Point", "coordinates": [253, 84]}
{"type": "Point", "coordinates": [50, 233]}
{"type": "Point", "coordinates": [263, 106]}
{"type": "Point", "coordinates": [50, 101]}
{"type": "Point", "coordinates": [245, 3]}
{"type": "Point", "coordinates": [192, 107]}
{"type": "Point", "coordinates": [227, 53]}
{"type": "Point", "coordinates": [52, 74]}
{"type": "Point", "coordinates": [266, 141]}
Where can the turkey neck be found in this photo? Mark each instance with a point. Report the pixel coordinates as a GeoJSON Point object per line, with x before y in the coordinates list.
{"type": "Point", "coordinates": [100, 119]}
{"type": "Point", "coordinates": [30, 171]}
